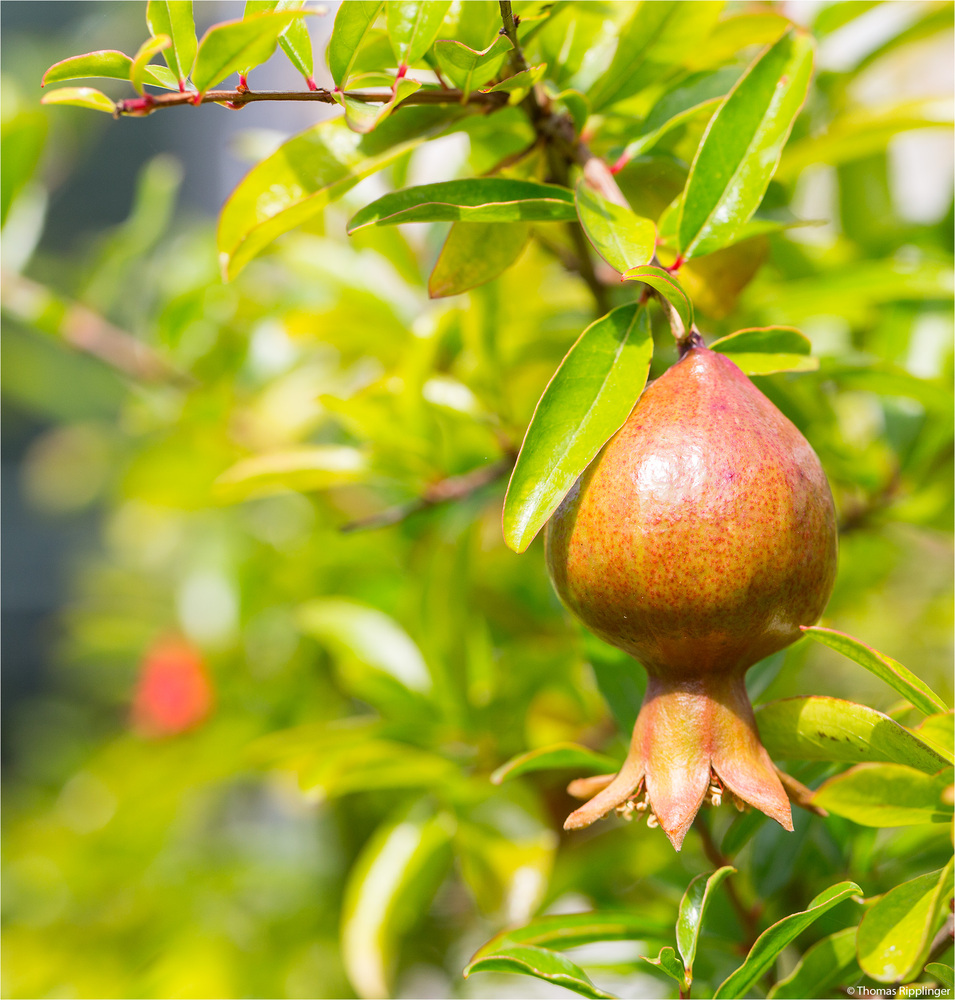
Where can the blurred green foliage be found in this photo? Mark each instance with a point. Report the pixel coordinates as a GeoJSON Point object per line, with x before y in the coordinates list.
{"type": "Point", "coordinates": [327, 826]}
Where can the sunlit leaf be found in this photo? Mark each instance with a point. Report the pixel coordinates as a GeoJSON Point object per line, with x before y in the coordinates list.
{"type": "Point", "coordinates": [82, 97]}
{"type": "Point", "coordinates": [585, 403]}
{"type": "Point", "coordinates": [829, 961]}
{"type": "Point", "coordinates": [295, 40]}
{"type": "Point", "coordinates": [668, 285]}
{"type": "Point", "coordinates": [478, 199]}
{"type": "Point", "coordinates": [475, 253]}
{"type": "Point", "coordinates": [554, 757]}
{"type": "Point", "coordinates": [742, 145]}
{"type": "Point", "coordinates": [236, 46]}
{"type": "Point", "coordinates": [820, 728]}
{"type": "Point", "coordinates": [413, 26]}
{"type": "Point", "coordinates": [689, 921]}
{"type": "Point", "coordinates": [622, 238]}
{"type": "Point", "coordinates": [139, 67]}
{"type": "Point", "coordinates": [369, 635]}
{"type": "Point", "coordinates": [937, 731]}
{"type": "Point", "coordinates": [363, 117]}
{"type": "Point", "coordinates": [896, 933]}
{"type": "Point", "coordinates": [884, 667]}
{"type": "Point", "coordinates": [175, 19]}
{"type": "Point", "coordinates": [771, 942]}
{"type": "Point", "coordinates": [105, 63]}
{"type": "Point", "coordinates": [886, 795]}
{"type": "Point", "coordinates": [541, 963]}
{"type": "Point", "coordinates": [763, 350]}
{"type": "Point", "coordinates": [669, 964]}
{"type": "Point", "coordinates": [306, 173]}
{"type": "Point", "coordinates": [306, 468]}
{"type": "Point", "coordinates": [739, 31]}
{"type": "Point", "coordinates": [396, 872]}
{"type": "Point", "coordinates": [352, 21]}
{"type": "Point", "coordinates": [468, 68]}
{"type": "Point", "coordinates": [519, 85]}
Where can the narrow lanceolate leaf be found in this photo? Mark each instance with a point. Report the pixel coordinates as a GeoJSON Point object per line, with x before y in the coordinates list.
{"type": "Point", "coordinates": [82, 97]}
{"type": "Point", "coordinates": [351, 24]}
{"type": "Point", "coordinates": [668, 286]}
{"type": "Point", "coordinates": [820, 728]}
{"type": "Point", "coordinates": [886, 795]}
{"type": "Point", "coordinates": [295, 40]}
{"type": "Point", "coordinates": [107, 64]}
{"type": "Point", "coordinates": [570, 930]}
{"type": "Point", "coordinates": [694, 95]}
{"type": "Point", "coordinates": [884, 667]}
{"type": "Point", "coordinates": [742, 145]}
{"type": "Point", "coordinates": [234, 46]}
{"type": "Point", "coordinates": [559, 755]}
{"type": "Point", "coordinates": [541, 963]}
{"type": "Point", "coordinates": [519, 85]}
{"type": "Point", "coordinates": [303, 469]}
{"type": "Point", "coordinates": [622, 238]}
{"type": "Point", "coordinates": [689, 921]}
{"type": "Point", "coordinates": [771, 942]}
{"type": "Point", "coordinates": [669, 964]}
{"type": "Point", "coordinates": [896, 934]}
{"type": "Point", "coordinates": [412, 26]}
{"type": "Point", "coordinates": [174, 18]}
{"type": "Point", "coordinates": [828, 963]}
{"type": "Point", "coordinates": [316, 167]}
{"type": "Point", "coordinates": [475, 253]}
{"type": "Point", "coordinates": [397, 871]}
{"type": "Point", "coordinates": [764, 350]}
{"type": "Point", "coordinates": [362, 117]}
{"type": "Point", "coordinates": [468, 68]}
{"type": "Point", "coordinates": [140, 64]}
{"type": "Point", "coordinates": [584, 404]}
{"type": "Point", "coordinates": [945, 974]}
{"type": "Point", "coordinates": [479, 199]}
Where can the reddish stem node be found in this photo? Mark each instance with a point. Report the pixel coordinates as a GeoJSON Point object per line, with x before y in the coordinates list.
{"type": "Point", "coordinates": [243, 87]}
{"type": "Point", "coordinates": [623, 160]}
{"type": "Point", "coordinates": [182, 85]}
{"type": "Point", "coordinates": [402, 69]}
{"type": "Point", "coordinates": [676, 265]}
{"type": "Point", "coordinates": [311, 84]}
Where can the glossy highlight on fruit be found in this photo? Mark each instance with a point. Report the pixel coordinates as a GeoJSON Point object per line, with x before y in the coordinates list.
{"type": "Point", "coordinates": [698, 541]}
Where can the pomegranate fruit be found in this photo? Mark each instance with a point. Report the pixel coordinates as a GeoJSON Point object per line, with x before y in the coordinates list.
{"type": "Point", "coordinates": [698, 541]}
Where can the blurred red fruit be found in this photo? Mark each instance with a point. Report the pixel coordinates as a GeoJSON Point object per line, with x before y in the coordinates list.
{"type": "Point", "coordinates": [174, 692]}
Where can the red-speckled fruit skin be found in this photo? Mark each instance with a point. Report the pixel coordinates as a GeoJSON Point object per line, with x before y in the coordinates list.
{"type": "Point", "coordinates": [699, 540]}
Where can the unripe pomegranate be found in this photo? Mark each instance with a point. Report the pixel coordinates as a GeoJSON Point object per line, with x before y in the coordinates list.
{"type": "Point", "coordinates": [699, 540]}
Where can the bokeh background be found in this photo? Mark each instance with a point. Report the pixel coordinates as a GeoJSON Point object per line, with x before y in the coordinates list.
{"type": "Point", "coordinates": [156, 624]}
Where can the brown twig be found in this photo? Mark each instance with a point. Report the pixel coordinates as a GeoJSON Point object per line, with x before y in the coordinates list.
{"type": "Point", "coordinates": [139, 106]}
{"type": "Point", "coordinates": [518, 62]}
{"type": "Point", "coordinates": [75, 324]}
{"type": "Point", "coordinates": [443, 491]}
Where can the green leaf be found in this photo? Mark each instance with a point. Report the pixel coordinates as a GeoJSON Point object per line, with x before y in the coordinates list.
{"type": "Point", "coordinates": [689, 921]}
{"type": "Point", "coordinates": [886, 795]}
{"type": "Point", "coordinates": [831, 729]}
{"type": "Point", "coordinates": [620, 679]}
{"type": "Point", "coordinates": [352, 22]}
{"type": "Point", "coordinates": [303, 469]}
{"type": "Point", "coordinates": [105, 63]}
{"type": "Point", "coordinates": [478, 199]}
{"type": "Point", "coordinates": [295, 40]}
{"type": "Point", "coordinates": [469, 68]}
{"type": "Point", "coordinates": [541, 963]}
{"type": "Point", "coordinates": [691, 96]}
{"type": "Point", "coordinates": [175, 19]}
{"type": "Point", "coordinates": [311, 170]}
{"type": "Point", "coordinates": [82, 97]}
{"type": "Point", "coordinates": [937, 731]}
{"type": "Point", "coordinates": [237, 46]}
{"type": "Point", "coordinates": [556, 756]}
{"type": "Point", "coordinates": [655, 40]}
{"type": "Point", "coordinates": [764, 350]}
{"type": "Point", "coordinates": [829, 961]}
{"type": "Point", "coordinates": [895, 935]}
{"type": "Point", "coordinates": [945, 974]}
{"type": "Point", "coordinates": [362, 117]}
{"type": "Point", "coordinates": [412, 26]}
{"type": "Point", "coordinates": [571, 930]}
{"type": "Point", "coordinates": [884, 667]}
{"type": "Point", "coordinates": [668, 286]}
{"type": "Point", "coordinates": [475, 253]}
{"type": "Point", "coordinates": [834, 16]}
{"type": "Point", "coordinates": [394, 876]}
{"type": "Point", "coordinates": [519, 85]}
{"type": "Point", "coordinates": [737, 32]}
{"type": "Point", "coordinates": [623, 239]}
{"type": "Point", "coordinates": [772, 941]}
{"type": "Point", "coordinates": [669, 964]}
{"type": "Point", "coordinates": [140, 64]}
{"type": "Point", "coordinates": [585, 403]}
{"type": "Point", "coordinates": [742, 145]}
{"type": "Point", "coordinates": [368, 635]}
